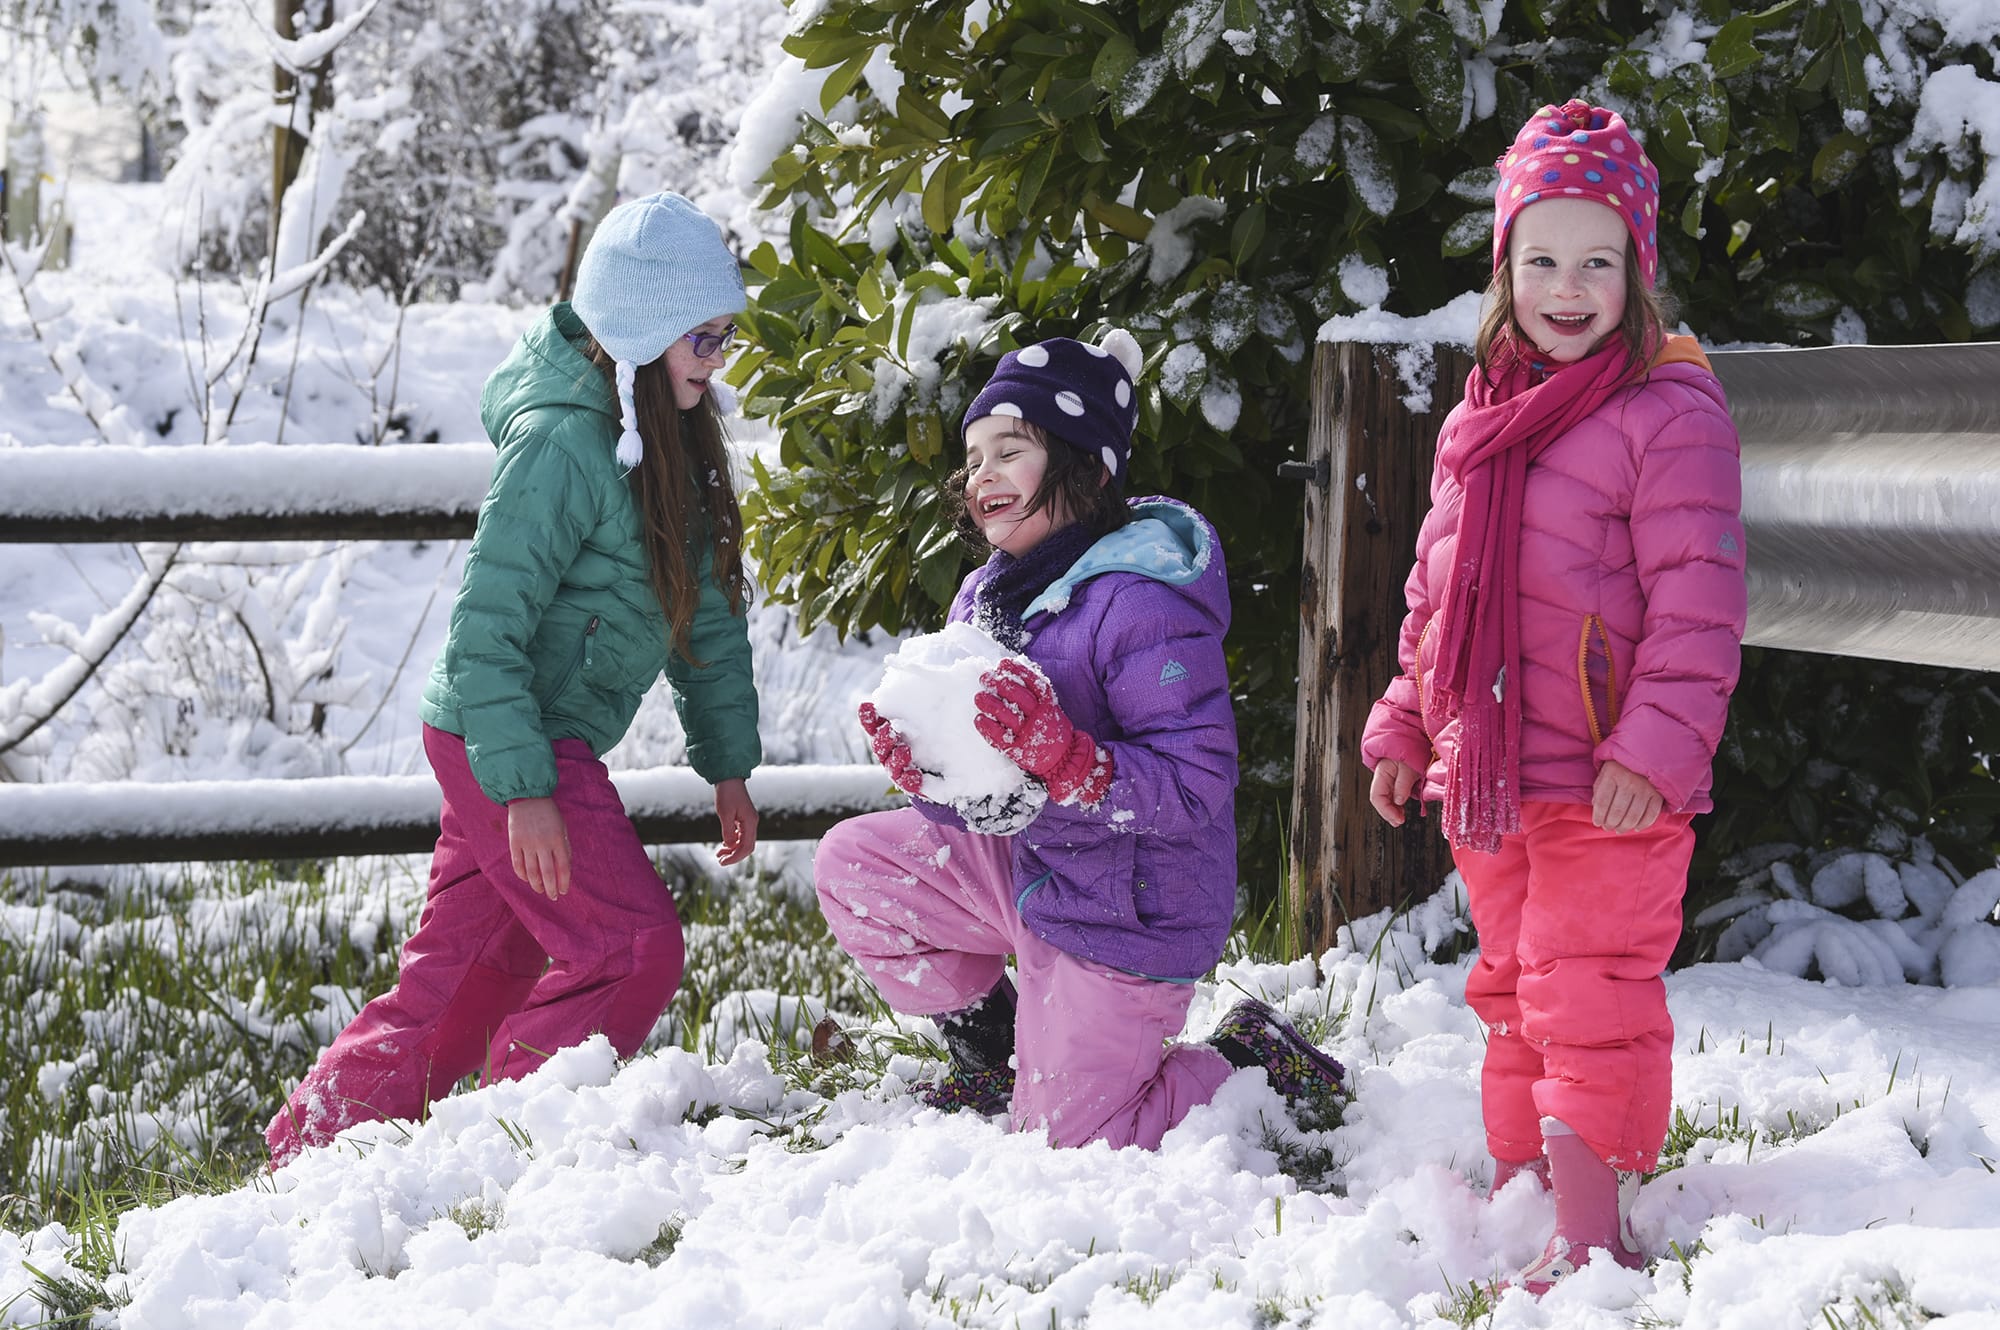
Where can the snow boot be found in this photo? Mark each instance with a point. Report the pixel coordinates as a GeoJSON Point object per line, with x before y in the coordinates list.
{"type": "Point", "coordinates": [980, 1039]}
{"type": "Point", "coordinates": [1313, 1085]}
{"type": "Point", "coordinates": [1506, 1170]}
{"type": "Point", "coordinates": [1593, 1212]}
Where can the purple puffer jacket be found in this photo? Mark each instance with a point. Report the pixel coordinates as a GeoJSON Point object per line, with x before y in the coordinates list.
{"type": "Point", "coordinates": [1131, 638]}
{"type": "Point", "coordinates": [1632, 599]}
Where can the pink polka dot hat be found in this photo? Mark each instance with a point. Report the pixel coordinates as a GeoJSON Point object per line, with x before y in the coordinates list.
{"type": "Point", "coordinates": [1577, 150]}
{"type": "Point", "coordinates": [1083, 395]}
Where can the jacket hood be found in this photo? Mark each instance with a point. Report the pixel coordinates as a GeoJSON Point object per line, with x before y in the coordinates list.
{"type": "Point", "coordinates": [1689, 367]}
{"type": "Point", "coordinates": [1167, 541]}
{"type": "Point", "coordinates": [546, 368]}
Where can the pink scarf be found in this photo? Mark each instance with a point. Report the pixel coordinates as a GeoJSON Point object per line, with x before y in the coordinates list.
{"type": "Point", "coordinates": [1506, 423]}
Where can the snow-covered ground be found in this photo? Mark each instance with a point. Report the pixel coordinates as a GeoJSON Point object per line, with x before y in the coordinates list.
{"type": "Point", "coordinates": [1841, 1141]}
{"type": "Point", "coordinates": [1842, 1167]}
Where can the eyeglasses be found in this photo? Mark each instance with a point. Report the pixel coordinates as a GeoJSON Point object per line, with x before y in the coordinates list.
{"type": "Point", "coordinates": [706, 344]}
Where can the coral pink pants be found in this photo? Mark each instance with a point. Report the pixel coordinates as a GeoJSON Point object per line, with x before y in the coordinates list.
{"type": "Point", "coordinates": [497, 975]}
{"type": "Point", "coordinates": [1576, 926]}
{"type": "Point", "coordinates": [929, 912]}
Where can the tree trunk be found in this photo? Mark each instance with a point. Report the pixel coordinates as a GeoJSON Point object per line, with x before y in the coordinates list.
{"type": "Point", "coordinates": [21, 192]}
{"type": "Point", "coordinates": [1372, 461]}
{"type": "Point", "coordinates": [292, 128]}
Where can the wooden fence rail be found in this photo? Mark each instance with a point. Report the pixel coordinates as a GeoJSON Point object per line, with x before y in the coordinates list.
{"type": "Point", "coordinates": [1871, 503]}
{"type": "Point", "coordinates": [262, 492]}
{"type": "Point", "coordinates": [255, 491]}
{"type": "Point", "coordinates": [328, 817]}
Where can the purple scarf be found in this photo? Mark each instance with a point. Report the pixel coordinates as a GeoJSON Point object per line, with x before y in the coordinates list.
{"type": "Point", "coordinates": [1011, 584]}
{"type": "Point", "coordinates": [1508, 420]}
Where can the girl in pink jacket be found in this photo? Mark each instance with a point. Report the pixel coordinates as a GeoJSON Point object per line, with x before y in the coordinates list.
{"type": "Point", "coordinates": [1576, 613]}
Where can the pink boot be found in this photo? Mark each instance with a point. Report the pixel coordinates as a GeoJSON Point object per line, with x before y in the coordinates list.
{"type": "Point", "coordinates": [1506, 1170]}
{"type": "Point", "coordinates": [1593, 1211]}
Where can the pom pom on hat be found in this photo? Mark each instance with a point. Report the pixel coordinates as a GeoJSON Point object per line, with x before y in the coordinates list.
{"type": "Point", "coordinates": [1577, 150]}
{"type": "Point", "coordinates": [655, 268]}
{"type": "Point", "coordinates": [1124, 349]}
{"type": "Point", "coordinates": [1081, 394]}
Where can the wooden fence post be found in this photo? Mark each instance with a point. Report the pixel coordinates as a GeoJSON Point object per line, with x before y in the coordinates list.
{"type": "Point", "coordinates": [1370, 458]}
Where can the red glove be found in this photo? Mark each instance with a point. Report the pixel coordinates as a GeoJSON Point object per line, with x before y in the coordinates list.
{"type": "Point", "coordinates": [892, 750]}
{"type": "Point", "coordinates": [1019, 715]}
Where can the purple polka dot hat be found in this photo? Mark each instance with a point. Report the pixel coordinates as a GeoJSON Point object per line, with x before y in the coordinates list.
{"type": "Point", "coordinates": [1577, 150]}
{"type": "Point", "coordinates": [1081, 394]}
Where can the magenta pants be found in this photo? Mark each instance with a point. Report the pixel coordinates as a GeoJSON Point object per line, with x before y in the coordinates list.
{"type": "Point", "coordinates": [1576, 926]}
{"type": "Point", "coordinates": [929, 912]}
{"type": "Point", "coordinates": [497, 975]}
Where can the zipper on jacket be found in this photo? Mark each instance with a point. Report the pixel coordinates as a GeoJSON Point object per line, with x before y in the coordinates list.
{"type": "Point", "coordinates": [1417, 666]}
{"type": "Point", "coordinates": [576, 662]}
{"type": "Point", "coordinates": [1598, 720]}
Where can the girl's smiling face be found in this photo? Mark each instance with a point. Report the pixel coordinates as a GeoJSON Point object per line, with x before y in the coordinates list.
{"type": "Point", "coordinates": [688, 372]}
{"type": "Point", "coordinates": [1005, 460]}
{"type": "Point", "coordinates": [1566, 262]}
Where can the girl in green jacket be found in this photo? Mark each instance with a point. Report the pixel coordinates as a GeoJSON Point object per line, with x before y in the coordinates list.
{"type": "Point", "coordinates": [609, 548]}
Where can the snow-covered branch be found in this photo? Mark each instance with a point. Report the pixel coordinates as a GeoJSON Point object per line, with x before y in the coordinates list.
{"type": "Point", "coordinates": [302, 55]}
{"type": "Point", "coordinates": [27, 706]}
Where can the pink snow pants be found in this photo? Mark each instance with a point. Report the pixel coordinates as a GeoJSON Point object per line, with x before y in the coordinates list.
{"type": "Point", "coordinates": [1576, 926]}
{"type": "Point", "coordinates": [497, 975]}
{"type": "Point", "coordinates": [929, 912]}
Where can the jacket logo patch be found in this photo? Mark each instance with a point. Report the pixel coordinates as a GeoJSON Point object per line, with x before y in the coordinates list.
{"type": "Point", "coordinates": [1172, 672]}
{"type": "Point", "coordinates": [1727, 544]}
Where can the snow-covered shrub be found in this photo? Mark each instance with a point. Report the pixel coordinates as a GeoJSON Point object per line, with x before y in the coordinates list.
{"type": "Point", "coordinates": [1223, 178]}
{"type": "Point", "coordinates": [1825, 756]}
{"type": "Point", "coordinates": [1857, 917]}
{"type": "Point", "coordinates": [234, 664]}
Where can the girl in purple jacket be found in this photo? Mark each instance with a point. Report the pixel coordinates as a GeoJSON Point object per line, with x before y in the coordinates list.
{"type": "Point", "coordinates": [1576, 612]}
{"type": "Point", "coordinates": [1119, 894]}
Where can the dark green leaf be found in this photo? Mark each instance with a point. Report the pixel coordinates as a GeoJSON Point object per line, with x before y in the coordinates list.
{"type": "Point", "coordinates": [1435, 67]}
{"type": "Point", "coordinates": [1089, 144]}
{"type": "Point", "coordinates": [1734, 49]}
{"type": "Point", "coordinates": [1838, 159]}
{"type": "Point", "coordinates": [1036, 173]}
{"type": "Point", "coordinates": [842, 80]}
{"type": "Point", "coordinates": [1247, 235]}
{"type": "Point", "coordinates": [820, 47]}
{"type": "Point", "coordinates": [922, 114]}
{"type": "Point", "coordinates": [942, 195]}
{"type": "Point", "coordinates": [1114, 61]}
{"type": "Point", "coordinates": [1470, 234]}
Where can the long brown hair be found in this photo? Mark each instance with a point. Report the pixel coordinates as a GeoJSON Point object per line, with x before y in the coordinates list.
{"type": "Point", "coordinates": [681, 486]}
{"type": "Point", "coordinates": [1648, 314]}
{"type": "Point", "coordinates": [1072, 479]}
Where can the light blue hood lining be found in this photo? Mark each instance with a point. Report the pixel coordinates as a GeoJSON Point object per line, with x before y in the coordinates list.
{"type": "Point", "coordinates": [1164, 541]}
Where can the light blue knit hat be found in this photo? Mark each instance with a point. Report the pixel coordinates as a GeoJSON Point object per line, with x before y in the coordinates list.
{"type": "Point", "coordinates": [656, 268]}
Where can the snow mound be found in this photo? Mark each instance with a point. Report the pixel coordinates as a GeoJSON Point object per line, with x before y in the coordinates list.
{"type": "Point", "coordinates": [927, 692]}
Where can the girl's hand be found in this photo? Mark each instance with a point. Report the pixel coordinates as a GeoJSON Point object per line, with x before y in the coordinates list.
{"type": "Point", "coordinates": [1392, 787]}
{"type": "Point", "coordinates": [892, 750]}
{"type": "Point", "coordinates": [739, 821]}
{"type": "Point", "coordinates": [1622, 800]}
{"type": "Point", "coordinates": [538, 844]}
{"type": "Point", "coordinates": [1020, 716]}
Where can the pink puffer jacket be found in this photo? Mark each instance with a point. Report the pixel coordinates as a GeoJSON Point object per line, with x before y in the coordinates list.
{"type": "Point", "coordinates": [1632, 597]}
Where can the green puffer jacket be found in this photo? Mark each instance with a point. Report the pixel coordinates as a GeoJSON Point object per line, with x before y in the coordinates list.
{"type": "Point", "coordinates": [556, 632]}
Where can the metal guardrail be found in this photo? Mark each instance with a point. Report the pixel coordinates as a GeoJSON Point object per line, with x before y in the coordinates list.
{"type": "Point", "coordinates": [1871, 499]}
